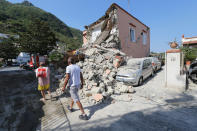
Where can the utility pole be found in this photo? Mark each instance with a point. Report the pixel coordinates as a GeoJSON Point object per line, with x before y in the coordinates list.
{"type": "Point", "coordinates": [129, 9]}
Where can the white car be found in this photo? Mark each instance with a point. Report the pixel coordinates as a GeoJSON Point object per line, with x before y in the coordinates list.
{"type": "Point", "coordinates": [136, 71]}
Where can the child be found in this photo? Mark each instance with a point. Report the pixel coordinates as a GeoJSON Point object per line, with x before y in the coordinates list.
{"type": "Point", "coordinates": [43, 75]}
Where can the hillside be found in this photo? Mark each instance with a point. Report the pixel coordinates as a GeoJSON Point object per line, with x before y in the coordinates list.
{"type": "Point", "coordinates": [14, 19]}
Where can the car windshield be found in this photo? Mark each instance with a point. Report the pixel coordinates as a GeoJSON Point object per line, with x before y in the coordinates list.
{"type": "Point", "coordinates": [134, 64]}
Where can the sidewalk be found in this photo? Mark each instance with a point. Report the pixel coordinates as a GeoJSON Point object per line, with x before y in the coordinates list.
{"type": "Point", "coordinates": [55, 116]}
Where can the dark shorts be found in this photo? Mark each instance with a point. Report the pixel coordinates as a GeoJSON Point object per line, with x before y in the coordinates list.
{"type": "Point", "coordinates": [74, 93]}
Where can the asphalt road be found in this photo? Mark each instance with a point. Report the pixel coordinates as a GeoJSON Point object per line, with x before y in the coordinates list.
{"type": "Point", "coordinates": [153, 107]}
{"type": "Point", "coordinates": [17, 68]}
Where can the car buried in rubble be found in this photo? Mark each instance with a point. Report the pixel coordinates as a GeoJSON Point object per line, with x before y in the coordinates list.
{"type": "Point", "coordinates": [136, 71]}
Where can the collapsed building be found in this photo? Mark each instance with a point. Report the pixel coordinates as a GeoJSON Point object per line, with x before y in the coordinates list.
{"type": "Point", "coordinates": [108, 43]}
{"type": "Point", "coordinates": [124, 31]}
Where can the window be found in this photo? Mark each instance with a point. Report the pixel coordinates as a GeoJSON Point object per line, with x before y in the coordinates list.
{"type": "Point", "coordinates": [144, 38]}
{"type": "Point", "coordinates": [144, 64]}
{"type": "Point", "coordinates": [132, 35]}
{"type": "Point", "coordinates": [149, 63]}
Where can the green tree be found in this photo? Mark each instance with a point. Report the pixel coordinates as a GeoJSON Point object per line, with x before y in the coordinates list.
{"type": "Point", "coordinates": [8, 50]}
{"type": "Point", "coordinates": [38, 39]}
{"type": "Point", "coordinates": [15, 18]}
{"type": "Point", "coordinates": [55, 56]}
{"type": "Point", "coordinates": [190, 53]}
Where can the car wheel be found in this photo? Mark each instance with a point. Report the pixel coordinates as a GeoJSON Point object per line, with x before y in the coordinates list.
{"type": "Point", "coordinates": [140, 81]}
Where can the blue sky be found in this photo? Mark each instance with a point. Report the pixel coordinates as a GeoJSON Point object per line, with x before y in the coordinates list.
{"type": "Point", "coordinates": [167, 19]}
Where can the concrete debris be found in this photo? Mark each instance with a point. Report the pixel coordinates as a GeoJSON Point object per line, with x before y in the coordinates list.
{"type": "Point", "coordinates": [99, 74]}
{"type": "Point", "coordinates": [87, 93]}
{"type": "Point", "coordinates": [98, 97]}
{"type": "Point", "coordinates": [131, 90]}
{"type": "Point", "coordinates": [102, 60]}
{"type": "Point", "coordinates": [108, 71]}
{"type": "Point", "coordinates": [110, 90]}
{"type": "Point", "coordinates": [90, 51]}
{"type": "Point", "coordinates": [95, 90]}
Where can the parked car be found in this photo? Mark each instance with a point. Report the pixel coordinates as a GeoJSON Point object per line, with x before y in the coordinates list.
{"type": "Point", "coordinates": [15, 63]}
{"type": "Point", "coordinates": [136, 71]}
{"type": "Point", "coordinates": [192, 74]}
{"type": "Point", "coordinates": [11, 62]}
{"type": "Point", "coordinates": [156, 64]}
{"type": "Point", "coordinates": [27, 66]}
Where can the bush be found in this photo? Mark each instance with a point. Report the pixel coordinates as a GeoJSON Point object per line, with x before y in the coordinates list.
{"type": "Point", "coordinates": [190, 53]}
{"type": "Point", "coordinates": [55, 56]}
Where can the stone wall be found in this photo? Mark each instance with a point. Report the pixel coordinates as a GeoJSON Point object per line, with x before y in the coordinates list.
{"type": "Point", "coordinates": [20, 108]}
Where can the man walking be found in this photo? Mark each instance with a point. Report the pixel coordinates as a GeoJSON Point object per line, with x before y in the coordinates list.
{"type": "Point", "coordinates": [75, 79]}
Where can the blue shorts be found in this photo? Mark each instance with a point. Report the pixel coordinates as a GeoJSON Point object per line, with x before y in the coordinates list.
{"type": "Point", "coordinates": [74, 93]}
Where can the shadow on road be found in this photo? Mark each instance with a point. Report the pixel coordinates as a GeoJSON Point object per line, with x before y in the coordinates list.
{"type": "Point", "coordinates": [98, 106]}
{"type": "Point", "coordinates": [183, 98]}
{"type": "Point", "coordinates": [158, 118]}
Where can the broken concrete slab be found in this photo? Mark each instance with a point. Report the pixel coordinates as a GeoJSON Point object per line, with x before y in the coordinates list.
{"type": "Point", "coordinates": [98, 97]}
{"type": "Point", "coordinates": [123, 88]}
{"type": "Point", "coordinates": [110, 90]}
{"type": "Point", "coordinates": [107, 72]}
{"type": "Point", "coordinates": [96, 90]}
{"type": "Point", "coordinates": [99, 59]}
{"type": "Point", "coordinates": [90, 52]}
{"type": "Point", "coordinates": [109, 39]}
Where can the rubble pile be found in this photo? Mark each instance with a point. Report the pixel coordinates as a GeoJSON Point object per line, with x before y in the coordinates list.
{"type": "Point", "coordinates": [99, 70]}
{"type": "Point", "coordinates": [102, 59]}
